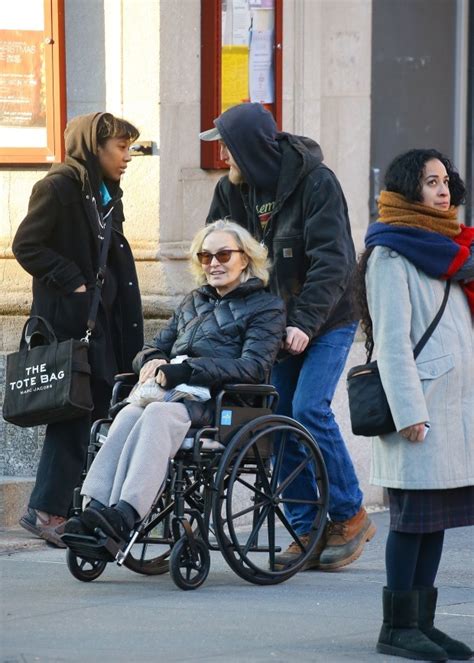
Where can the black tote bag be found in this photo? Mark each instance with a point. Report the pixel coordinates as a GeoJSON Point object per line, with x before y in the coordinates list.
{"type": "Point", "coordinates": [46, 380]}
{"type": "Point", "coordinates": [49, 380]}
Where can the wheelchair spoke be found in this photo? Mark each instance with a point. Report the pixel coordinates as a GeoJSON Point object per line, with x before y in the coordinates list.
{"type": "Point", "coordinates": [287, 525]}
{"type": "Point", "coordinates": [279, 460]}
{"type": "Point", "coordinates": [271, 538]}
{"type": "Point", "coordinates": [248, 509]}
{"type": "Point", "coordinates": [288, 500]}
{"type": "Point", "coordinates": [142, 556]}
{"type": "Point", "coordinates": [252, 488]}
{"type": "Point", "coordinates": [263, 474]}
{"type": "Point", "coordinates": [291, 477]}
{"type": "Point", "coordinates": [255, 531]}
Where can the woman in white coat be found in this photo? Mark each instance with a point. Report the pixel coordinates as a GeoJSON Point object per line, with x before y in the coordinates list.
{"type": "Point", "coordinates": [428, 463]}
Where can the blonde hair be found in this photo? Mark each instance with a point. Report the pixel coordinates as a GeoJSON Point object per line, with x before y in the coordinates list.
{"type": "Point", "coordinates": [256, 253]}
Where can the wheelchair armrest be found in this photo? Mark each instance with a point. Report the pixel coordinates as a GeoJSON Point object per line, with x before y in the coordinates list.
{"type": "Point", "coordinates": [266, 394]}
{"type": "Point", "coordinates": [126, 378]}
{"type": "Point", "coordinates": [123, 386]}
{"type": "Point", "coordinates": [253, 389]}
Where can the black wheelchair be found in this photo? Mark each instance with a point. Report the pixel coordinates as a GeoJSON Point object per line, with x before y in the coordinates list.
{"type": "Point", "coordinates": [225, 491]}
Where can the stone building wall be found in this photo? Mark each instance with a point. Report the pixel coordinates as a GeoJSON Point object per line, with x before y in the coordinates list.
{"type": "Point", "coordinates": [141, 59]}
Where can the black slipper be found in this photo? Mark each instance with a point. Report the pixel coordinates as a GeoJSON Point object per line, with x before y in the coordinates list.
{"type": "Point", "coordinates": [109, 520]}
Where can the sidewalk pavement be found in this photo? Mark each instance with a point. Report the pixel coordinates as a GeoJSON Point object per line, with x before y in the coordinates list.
{"type": "Point", "coordinates": [48, 616]}
{"type": "Point", "coordinates": [16, 539]}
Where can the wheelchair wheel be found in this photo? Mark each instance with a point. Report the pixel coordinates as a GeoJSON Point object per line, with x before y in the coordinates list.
{"type": "Point", "coordinates": [84, 569]}
{"type": "Point", "coordinates": [150, 554]}
{"type": "Point", "coordinates": [143, 558]}
{"type": "Point", "coordinates": [252, 493]}
{"type": "Point", "coordinates": [188, 567]}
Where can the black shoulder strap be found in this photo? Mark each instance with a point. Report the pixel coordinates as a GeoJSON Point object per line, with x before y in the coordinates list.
{"type": "Point", "coordinates": [99, 281]}
{"type": "Point", "coordinates": [422, 342]}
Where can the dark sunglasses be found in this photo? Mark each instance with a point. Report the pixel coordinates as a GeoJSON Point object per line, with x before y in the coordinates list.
{"type": "Point", "coordinates": [223, 256]}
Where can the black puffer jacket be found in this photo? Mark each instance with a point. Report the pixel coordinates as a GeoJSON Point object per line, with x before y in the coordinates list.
{"type": "Point", "coordinates": [308, 235]}
{"type": "Point", "coordinates": [228, 339]}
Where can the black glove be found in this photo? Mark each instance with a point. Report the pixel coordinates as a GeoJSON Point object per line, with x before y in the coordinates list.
{"type": "Point", "coordinates": [176, 374]}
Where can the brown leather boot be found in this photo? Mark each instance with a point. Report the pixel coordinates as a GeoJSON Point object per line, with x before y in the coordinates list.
{"type": "Point", "coordinates": [293, 552]}
{"type": "Point", "coordinates": [346, 540]}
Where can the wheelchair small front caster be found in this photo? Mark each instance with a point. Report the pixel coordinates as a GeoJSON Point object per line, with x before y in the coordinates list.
{"type": "Point", "coordinates": [188, 567]}
{"type": "Point", "coordinates": [84, 569]}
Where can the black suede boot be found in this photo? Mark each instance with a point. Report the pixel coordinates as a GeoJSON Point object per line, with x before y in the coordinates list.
{"type": "Point", "coordinates": [400, 635]}
{"type": "Point", "coordinates": [455, 649]}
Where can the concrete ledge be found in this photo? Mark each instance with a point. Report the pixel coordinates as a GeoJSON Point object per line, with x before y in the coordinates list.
{"type": "Point", "coordinates": [14, 494]}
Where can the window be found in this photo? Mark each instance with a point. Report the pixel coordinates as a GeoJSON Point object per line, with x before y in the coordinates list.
{"type": "Point", "coordinates": [241, 45]}
{"type": "Point", "coordinates": [32, 81]}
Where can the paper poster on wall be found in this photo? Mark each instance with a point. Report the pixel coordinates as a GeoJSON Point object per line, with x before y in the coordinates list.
{"type": "Point", "coordinates": [261, 75]}
{"type": "Point", "coordinates": [237, 23]}
{"type": "Point", "coordinates": [235, 76]}
{"type": "Point", "coordinates": [262, 4]}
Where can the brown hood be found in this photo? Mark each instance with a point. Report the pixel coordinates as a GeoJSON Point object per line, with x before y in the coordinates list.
{"type": "Point", "coordinates": [81, 144]}
{"type": "Point", "coordinates": [81, 162]}
{"type": "Point", "coordinates": [80, 137]}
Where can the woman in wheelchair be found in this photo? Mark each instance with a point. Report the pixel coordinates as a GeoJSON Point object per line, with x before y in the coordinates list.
{"type": "Point", "coordinates": [230, 330]}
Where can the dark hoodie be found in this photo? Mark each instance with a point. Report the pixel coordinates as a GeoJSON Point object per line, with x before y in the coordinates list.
{"type": "Point", "coordinates": [308, 235]}
{"type": "Point", "coordinates": [250, 132]}
{"type": "Point", "coordinates": [58, 244]}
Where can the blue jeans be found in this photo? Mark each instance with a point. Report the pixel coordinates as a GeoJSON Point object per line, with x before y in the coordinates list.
{"type": "Point", "coordinates": [306, 384]}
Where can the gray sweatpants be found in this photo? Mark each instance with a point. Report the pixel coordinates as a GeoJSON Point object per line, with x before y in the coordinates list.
{"type": "Point", "coordinates": [133, 462]}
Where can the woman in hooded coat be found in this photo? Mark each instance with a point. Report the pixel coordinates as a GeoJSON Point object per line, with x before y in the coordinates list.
{"type": "Point", "coordinates": [59, 244]}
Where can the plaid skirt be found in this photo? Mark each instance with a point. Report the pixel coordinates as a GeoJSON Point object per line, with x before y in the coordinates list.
{"type": "Point", "coordinates": [423, 511]}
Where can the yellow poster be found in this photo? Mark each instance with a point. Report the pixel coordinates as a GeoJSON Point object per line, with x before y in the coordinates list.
{"type": "Point", "coordinates": [235, 76]}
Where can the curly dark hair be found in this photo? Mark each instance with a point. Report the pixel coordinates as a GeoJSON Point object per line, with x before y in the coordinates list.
{"type": "Point", "coordinates": [360, 301]}
{"type": "Point", "coordinates": [404, 175]}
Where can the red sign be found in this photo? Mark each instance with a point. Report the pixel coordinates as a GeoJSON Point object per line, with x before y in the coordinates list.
{"type": "Point", "coordinates": [22, 78]}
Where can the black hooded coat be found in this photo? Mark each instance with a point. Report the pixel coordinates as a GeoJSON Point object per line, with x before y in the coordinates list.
{"type": "Point", "coordinates": [58, 244]}
{"type": "Point", "coordinates": [308, 235]}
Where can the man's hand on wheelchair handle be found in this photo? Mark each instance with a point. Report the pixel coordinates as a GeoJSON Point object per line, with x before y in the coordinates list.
{"type": "Point", "coordinates": [296, 341]}
{"type": "Point", "coordinates": [148, 370]}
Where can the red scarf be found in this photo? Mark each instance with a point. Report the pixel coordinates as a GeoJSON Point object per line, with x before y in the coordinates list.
{"type": "Point", "coordinates": [396, 210]}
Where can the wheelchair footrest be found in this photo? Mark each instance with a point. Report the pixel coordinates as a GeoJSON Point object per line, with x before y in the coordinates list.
{"type": "Point", "coordinates": [89, 547]}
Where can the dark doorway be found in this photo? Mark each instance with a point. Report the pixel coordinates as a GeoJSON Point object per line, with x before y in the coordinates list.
{"type": "Point", "coordinates": [470, 125]}
{"type": "Point", "coordinates": [413, 81]}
